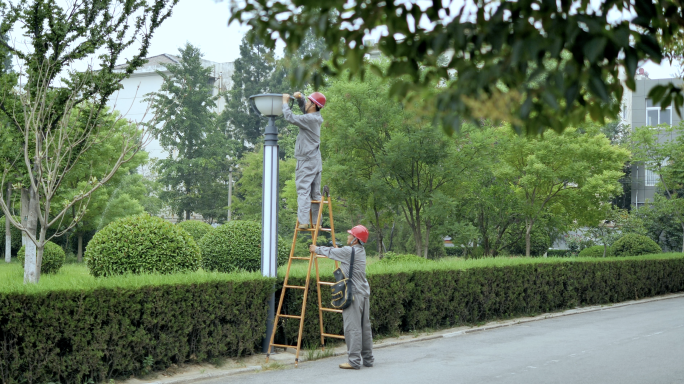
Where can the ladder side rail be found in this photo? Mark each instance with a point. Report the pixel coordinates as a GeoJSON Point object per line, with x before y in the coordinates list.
{"type": "Point", "coordinates": [282, 293]}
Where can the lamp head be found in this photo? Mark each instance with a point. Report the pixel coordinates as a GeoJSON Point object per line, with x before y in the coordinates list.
{"type": "Point", "coordinates": [267, 104]}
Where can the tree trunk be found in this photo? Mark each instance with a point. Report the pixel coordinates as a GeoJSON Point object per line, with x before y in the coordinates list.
{"type": "Point", "coordinates": [32, 257]}
{"type": "Point", "coordinates": [391, 236]}
{"type": "Point", "coordinates": [187, 215]}
{"type": "Point", "coordinates": [25, 199]}
{"type": "Point", "coordinates": [8, 234]}
{"type": "Point", "coordinates": [230, 193]}
{"type": "Point", "coordinates": [79, 256]}
{"type": "Point", "coordinates": [426, 246]}
{"type": "Point", "coordinates": [605, 249]}
{"type": "Point", "coordinates": [528, 229]}
{"type": "Point", "coordinates": [379, 230]}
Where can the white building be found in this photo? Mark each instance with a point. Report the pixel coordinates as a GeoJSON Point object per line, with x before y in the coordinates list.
{"type": "Point", "coordinates": [129, 100]}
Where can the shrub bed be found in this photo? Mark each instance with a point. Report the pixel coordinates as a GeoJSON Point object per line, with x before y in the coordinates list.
{"type": "Point", "coordinates": [53, 257]}
{"type": "Point", "coordinates": [236, 245]}
{"type": "Point", "coordinates": [196, 228]}
{"type": "Point", "coordinates": [632, 244]}
{"type": "Point", "coordinates": [594, 251]}
{"type": "Point", "coordinates": [74, 335]}
{"type": "Point", "coordinates": [141, 244]}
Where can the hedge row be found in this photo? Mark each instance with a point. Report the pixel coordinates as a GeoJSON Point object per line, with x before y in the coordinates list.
{"type": "Point", "coordinates": [75, 337]}
{"type": "Point", "coordinates": [414, 300]}
{"type": "Point", "coordinates": [72, 337]}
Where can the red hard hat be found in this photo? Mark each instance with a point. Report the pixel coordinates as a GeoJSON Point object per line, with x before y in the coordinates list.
{"type": "Point", "coordinates": [318, 99]}
{"type": "Point", "coordinates": [360, 232]}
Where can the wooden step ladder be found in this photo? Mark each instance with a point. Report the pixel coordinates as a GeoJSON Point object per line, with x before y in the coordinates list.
{"type": "Point", "coordinates": [313, 259]}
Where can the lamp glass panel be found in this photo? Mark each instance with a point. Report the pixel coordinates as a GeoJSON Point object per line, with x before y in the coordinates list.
{"type": "Point", "coordinates": [269, 105]}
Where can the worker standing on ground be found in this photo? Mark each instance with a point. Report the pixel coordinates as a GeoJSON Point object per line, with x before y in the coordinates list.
{"type": "Point", "coordinates": [307, 152]}
{"type": "Point", "coordinates": [357, 327]}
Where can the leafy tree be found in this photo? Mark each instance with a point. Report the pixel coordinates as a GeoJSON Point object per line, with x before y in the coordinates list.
{"type": "Point", "coordinates": [197, 147]}
{"type": "Point", "coordinates": [564, 174]}
{"type": "Point", "coordinates": [107, 203]}
{"type": "Point", "coordinates": [382, 155]}
{"type": "Point", "coordinates": [247, 198]}
{"type": "Point", "coordinates": [5, 56]}
{"type": "Point", "coordinates": [544, 64]}
{"type": "Point", "coordinates": [41, 112]}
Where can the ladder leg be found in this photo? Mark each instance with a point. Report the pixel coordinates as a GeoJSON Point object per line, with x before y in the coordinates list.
{"type": "Point", "coordinates": [282, 294]}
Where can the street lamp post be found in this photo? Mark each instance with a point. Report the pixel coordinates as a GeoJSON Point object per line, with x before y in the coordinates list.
{"type": "Point", "coordinates": [269, 105]}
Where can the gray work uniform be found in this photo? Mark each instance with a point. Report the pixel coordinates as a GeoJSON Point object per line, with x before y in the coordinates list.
{"type": "Point", "coordinates": [357, 326]}
{"type": "Point", "coordinates": [309, 163]}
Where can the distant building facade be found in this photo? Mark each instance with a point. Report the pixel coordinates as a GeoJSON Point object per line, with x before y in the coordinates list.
{"type": "Point", "coordinates": [129, 101]}
{"type": "Point", "coordinates": [638, 111]}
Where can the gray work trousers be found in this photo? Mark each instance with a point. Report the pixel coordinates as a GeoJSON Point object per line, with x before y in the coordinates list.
{"type": "Point", "coordinates": [357, 332]}
{"type": "Point", "coordinates": [308, 183]}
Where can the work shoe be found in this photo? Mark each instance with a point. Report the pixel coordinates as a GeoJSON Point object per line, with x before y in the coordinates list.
{"type": "Point", "coordinates": [369, 365]}
{"type": "Point", "coordinates": [347, 366]}
{"type": "Point", "coordinates": [303, 226]}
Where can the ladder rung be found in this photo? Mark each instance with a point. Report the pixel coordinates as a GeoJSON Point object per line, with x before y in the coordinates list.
{"type": "Point", "coordinates": [325, 229]}
{"type": "Point", "coordinates": [331, 310]}
{"type": "Point", "coordinates": [306, 229]}
{"type": "Point", "coordinates": [300, 258]}
{"type": "Point", "coordinates": [335, 336]}
{"type": "Point", "coordinates": [290, 316]}
{"type": "Point", "coordinates": [325, 283]}
{"type": "Point", "coordinates": [318, 202]}
{"type": "Point", "coordinates": [295, 286]}
{"type": "Point", "coordinates": [284, 346]}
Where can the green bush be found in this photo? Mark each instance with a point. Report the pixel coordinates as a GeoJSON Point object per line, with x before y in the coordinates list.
{"type": "Point", "coordinates": [141, 244]}
{"type": "Point", "coordinates": [633, 244]}
{"type": "Point", "coordinates": [196, 228]}
{"type": "Point", "coordinates": [236, 245]}
{"type": "Point", "coordinates": [93, 335]}
{"type": "Point", "coordinates": [53, 257]}
{"type": "Point", "coordinates": [393, 258]}
{"type": "Point", "coordinates": [453, 251]}
{"type": "Point", "coordinates": [594, 251]}
{"type": "Point", "coordinates": [16, 236]}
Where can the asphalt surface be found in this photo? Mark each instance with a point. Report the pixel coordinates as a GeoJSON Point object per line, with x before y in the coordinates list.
{"type": "Point", "coordinates": [641, 343]}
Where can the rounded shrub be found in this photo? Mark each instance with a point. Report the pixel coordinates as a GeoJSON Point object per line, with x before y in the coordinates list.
{"type": "Point", "coordinates": [632, 244]}
{"type": "Point", "coordinates": [196, 228]}
{"type": "Point", "coordinates": [393, 258]}
{"type": "Point", "coordinates": [236, 245]}
{"type": "Point", "coordinates": [593, 251]}
{"type": "Point", "coordinates": [141, 244]}
{"type": "Point", "coordinates": [53, 257]}
{"type": "Point", "coordinates": [16, 236]}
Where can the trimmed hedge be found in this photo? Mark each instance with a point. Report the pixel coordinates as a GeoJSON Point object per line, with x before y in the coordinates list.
{"type": "Point", "coordinates": [53, 257]}
{"type": "Point", "coordinates": [633, 244]}
{"type": "Point", "coordinates": [73, 336]}
{"type": "Point", "coordinates": [76, 336]}
{"type": "Point", "coordinates": [236, 245]}
{"type": "Point", "coordinates": [558, 253]}
{"type": "Point", "coordinates": [141, 244]}
{"type": "Point", "coordinates": [196, 228]}
{"type": "Point", "coordinates": [594, 251]}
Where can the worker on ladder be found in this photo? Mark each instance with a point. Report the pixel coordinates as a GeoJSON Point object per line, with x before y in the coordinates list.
{"type": "Point", "coordinates": [356, 317]}
{"type": "Point", "coordinates": [307, 152]}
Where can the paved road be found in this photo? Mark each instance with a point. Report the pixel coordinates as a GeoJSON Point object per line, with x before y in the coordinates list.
{"type": "Point", "coordinates": [641, 343]}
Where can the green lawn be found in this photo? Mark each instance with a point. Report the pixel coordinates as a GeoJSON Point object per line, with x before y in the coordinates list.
{"type": "Point", "coordinates": [76, 276]}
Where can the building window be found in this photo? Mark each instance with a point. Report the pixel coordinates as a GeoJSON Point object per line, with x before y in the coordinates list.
{"type": "Point", "coordinates": [651, 178]}
{"type": "Point", "coordinates": [656, 116]}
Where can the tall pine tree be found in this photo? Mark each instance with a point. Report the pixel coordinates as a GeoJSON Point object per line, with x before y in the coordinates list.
{"type": "Point", "coordinates": [187, 128]}
{"type": "Point", "coordinates": [253, 71]}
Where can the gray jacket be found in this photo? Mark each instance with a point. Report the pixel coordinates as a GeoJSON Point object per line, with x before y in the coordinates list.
{"type": "Point", "coordinates": [343, 255]}
{"type": "Point", "coordinates": [308, 144]}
